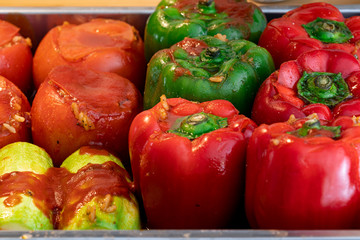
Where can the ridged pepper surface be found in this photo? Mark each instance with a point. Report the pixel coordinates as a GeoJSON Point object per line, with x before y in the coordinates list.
{"type": "Point", "coordinates": [173, 20]}
{"type": "Point", "coordinates": [188, 163]}
{"type": "Point", "coordinates": [208, 68]}
{"type": "Point", "coordinates": [304, 174]}
{"type": "Point", "coordinates": [309, 27]}
{"type": "Point", "coordinates": [325, 82]}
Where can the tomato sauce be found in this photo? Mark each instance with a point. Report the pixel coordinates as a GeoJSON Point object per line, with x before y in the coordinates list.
{"type": "Point", "coordinates": [59, 194]}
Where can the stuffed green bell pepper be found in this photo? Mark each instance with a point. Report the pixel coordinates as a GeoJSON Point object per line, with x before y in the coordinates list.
{"type": "Point", "coordinates": [208, 68]}
{"type": "Point", "coordinates": [98, 193]}
{"type": "Point", "coordinates": [173, 20]}
{"type": "Point", "coordinates": [25, 199]}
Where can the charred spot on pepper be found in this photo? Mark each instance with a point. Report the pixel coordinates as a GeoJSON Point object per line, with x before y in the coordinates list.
{"type": "Point", "coordinates": [206, 2]}
{"type": "Point", "coordinates": [207, 6]}
{"type": "Point", "coordinates": [29, 192]}
{"type": "Point", "coordinates": [212, 52]}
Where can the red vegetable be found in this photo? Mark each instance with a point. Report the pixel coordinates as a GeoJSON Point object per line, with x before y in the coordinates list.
{"type": "Point", "coordinates": [77, 106]}
{"type": "Point", "coordinates": [16, 57]}
{"type": "Point", "coordinates": [188, 162]}
{"type": "Point", "coordinates": [325, 82]}
{"type": "Point", "coordinates": [303, 175]}
{"type": "Point", "coordinates": [100, 44]}
{"type": "Point", "coordinates": [308, 28]}
{"type": "Point", "coordinates": [14, 114]}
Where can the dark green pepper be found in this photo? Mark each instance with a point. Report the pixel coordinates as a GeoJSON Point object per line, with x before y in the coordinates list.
{"type": "Point", "coordinates": [173, 20]}
{"type": "Point", "coordinates": [208, 68]}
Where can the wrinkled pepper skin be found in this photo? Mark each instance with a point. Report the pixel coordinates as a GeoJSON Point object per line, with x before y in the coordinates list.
{"type": "Point", "coordinates": [325, 82]}
{"type": "Point", "coordinates": [287, 37]}
{"type": "Point", "coordinates": [208, 68]}
{"type": "Point", "coordinates": [187, 184]}
{"type": "Point", "coordinates": [173, 20]}
{"type": "Point", "coordinates": [308, 182]}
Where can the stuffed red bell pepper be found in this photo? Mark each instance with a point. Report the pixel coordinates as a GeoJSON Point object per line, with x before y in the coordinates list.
{"type": "Point", "coordinates": [325, 82]}
{"type": "Point", "coordinates": [311, 26]}
{"type": "Point", "coordinates": [303, 174]}
{"type": "Point", "coordinates": [188, 162]}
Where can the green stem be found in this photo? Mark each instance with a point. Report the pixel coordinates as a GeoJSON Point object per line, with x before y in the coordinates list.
{"type": "Point", "coordinates": [328, 31]}
{"type": "Point", "coordinates": [322, 87]}
{"type": "Point", "coordinates": [195, 125]}
{"type": "Point", "coordinates": [314, 125]}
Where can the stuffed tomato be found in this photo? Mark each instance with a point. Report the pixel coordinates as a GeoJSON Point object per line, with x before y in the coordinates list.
{"type": "Point", "coordinates": [101, 44]}
{"type": "Point", "coordinates": [188, 163]}
{"type": "Point", "coordinates": [16, 57]}
{"type": "Point", "coordinates": [14, 114]}
{"type": "Point", "coordinates": [77, 106]}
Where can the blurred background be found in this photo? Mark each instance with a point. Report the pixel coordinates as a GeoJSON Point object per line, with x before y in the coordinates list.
{"type": "Point", "coordinates": [140, 3]}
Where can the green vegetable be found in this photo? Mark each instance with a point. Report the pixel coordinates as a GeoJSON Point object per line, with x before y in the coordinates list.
{"type": "Point", "coordinates": [99, 210]}
{"type": "Point", "coordinates": [208, 68]}
{"type": "Point", "coordinates": [173, 20]}
{"type": "Point", "coordinates": [20, 207]}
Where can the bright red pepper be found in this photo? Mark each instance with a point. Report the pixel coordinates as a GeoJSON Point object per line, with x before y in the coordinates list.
{"type": "Point", "coordinates": [190, 178]}
{"type": "Point", "coordinates": [303, 175]}
{"type": "Point", "coordinates": [326, 82]}
{"type": "Point", "coordinates": [308, 28]}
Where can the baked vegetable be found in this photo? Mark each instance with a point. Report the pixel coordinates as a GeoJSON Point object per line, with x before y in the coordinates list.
{"type": "Point", "coordinates": [16, 57]}
{"type": "Point", "coordinates": [187, 160]}
{"type": "Point", "coordinates": [24, 188]}
{"type": "Point", "coordinates": [105, 45]}
{"type": "Point", "coordinates": [208, 68]}
{"type": "Point", "coordinates": [14, 114]}
{"type": "Point", "coordinates": [325, 82]}
{"type": "Point", "coordinates": [98, 193]}
{"type": "Point", "coordinates": [77, 107]}
{"type": "Point", "coordinates": [309, 27]}
{"type": "Point", "coordinates": [303, 174]}
{"type": "Point", "coordinates": [173, 20]}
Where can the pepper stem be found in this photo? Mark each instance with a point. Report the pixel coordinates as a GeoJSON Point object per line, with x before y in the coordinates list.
{"type": "Point", "coordinates": [322, 87]}
{"type": "Point", "coordinates": [314, 128]}
{"type": "Point", "coordinates": [207, 6]}
{"type": "Point", "coordinates": [195, 125]}
{"type": "Point", "coordinates": [328, 31]}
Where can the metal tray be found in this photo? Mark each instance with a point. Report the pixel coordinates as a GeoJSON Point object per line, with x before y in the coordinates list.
{"type": "Point", "coordinates": [36, 22]}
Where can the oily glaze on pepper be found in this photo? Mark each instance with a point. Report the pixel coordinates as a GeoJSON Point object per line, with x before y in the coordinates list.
{"type": "Point", "coordinates": [208, 68]}
{"type": "Point", "coordinates": [172, 21]}
{"type": "Point", "coordinates": [78, 106]}
{"type": "Point", "coordinates": [187, 160]}
{"type": "Point", "coordinates": [309, 27]}
{"type": "Point", "coordinates": [325, 82]}
{"type": "Point", "coordinates": [303, 174]}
